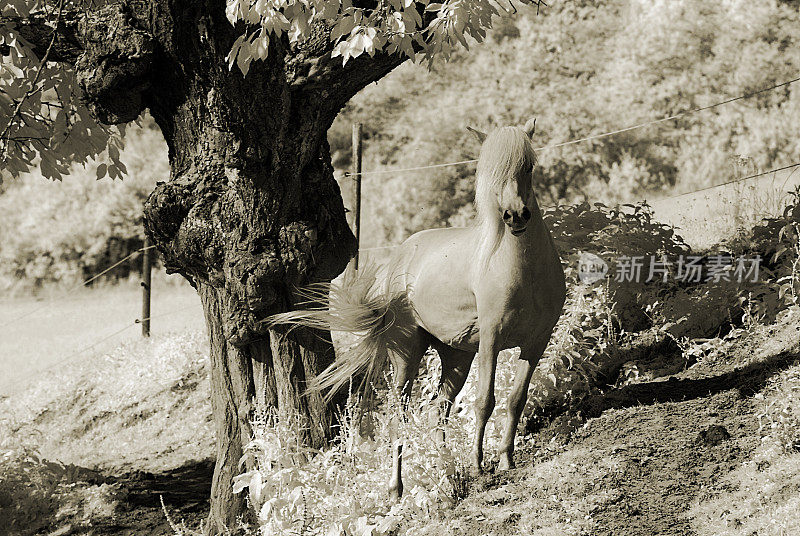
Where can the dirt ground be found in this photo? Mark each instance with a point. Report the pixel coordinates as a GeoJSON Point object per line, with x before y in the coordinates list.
{"type": "Point", "coordinates": [628, 462]}
{"type": "Point", "coordinates": [642, 454]}
{"type": "Point", "coordinates": [184, 492]}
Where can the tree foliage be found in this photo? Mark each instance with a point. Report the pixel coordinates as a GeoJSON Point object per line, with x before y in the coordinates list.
{"type": "Point", "coordinates": [43, 123]}
{"type": "Point", "coordinates": [393, 26]}
{"type": "Point", "coordinates": [584, 68]}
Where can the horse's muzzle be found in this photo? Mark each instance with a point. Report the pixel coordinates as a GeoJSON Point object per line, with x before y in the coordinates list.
{"type": "Point", "coordinates": [517, 221]}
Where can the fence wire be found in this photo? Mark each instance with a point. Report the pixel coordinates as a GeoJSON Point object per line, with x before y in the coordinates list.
{"type": "Point", "coordinates": [593, 136]}
{"type": "Point", "coordinates": [75, 288]}
{"type": "Point", "coordinates": [63, 360]}
{"type": "Point", "coordinates": [138, 321]}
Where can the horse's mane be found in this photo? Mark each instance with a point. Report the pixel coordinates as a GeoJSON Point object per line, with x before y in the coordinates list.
{"type": "Point", "coordinates": [504, 154]}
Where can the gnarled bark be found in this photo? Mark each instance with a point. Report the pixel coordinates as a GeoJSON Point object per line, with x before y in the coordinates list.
{"type": "Point", "coordinates": [251, 210]}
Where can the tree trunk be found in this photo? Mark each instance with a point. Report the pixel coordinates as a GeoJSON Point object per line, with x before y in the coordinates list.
{"type": "Point", "coordinates": [232, 392]}
{"type": "Point", "coordinates": [250, 237]}
{"type": "Point", "coordinates": [251, 211]}
{"type": "Point", "coordinates": [250, 214]}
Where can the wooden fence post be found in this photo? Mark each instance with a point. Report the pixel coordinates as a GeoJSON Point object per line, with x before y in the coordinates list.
{"type": "Point", "coordinates": [147, 265]}
{"type": "Point", "coordinates": [357, 187]}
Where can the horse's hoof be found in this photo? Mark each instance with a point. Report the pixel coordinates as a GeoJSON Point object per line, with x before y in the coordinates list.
{"type": "Point", "coordinates": [395, 492]}
{"type": "Point", "coordinates": [506, 462]}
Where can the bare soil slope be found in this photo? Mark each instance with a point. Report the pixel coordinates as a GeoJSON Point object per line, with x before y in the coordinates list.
{"type": "Point", "coordinates": [640, 456]}
{"type": "Point", "coordinates": [631, 461]}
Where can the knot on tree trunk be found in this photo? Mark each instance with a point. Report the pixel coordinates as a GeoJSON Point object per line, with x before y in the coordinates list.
{"type": "Point", "coordinates": [214, 233]}
{"type": "Point", "coordinates": [114, 69]}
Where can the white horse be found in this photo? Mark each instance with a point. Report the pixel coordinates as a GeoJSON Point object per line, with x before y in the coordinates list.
{"type": "Point", "coordinates": [498, 284]}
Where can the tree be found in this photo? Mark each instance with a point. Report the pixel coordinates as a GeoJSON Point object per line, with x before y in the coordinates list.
{"type": "Point", "coordinates": [251, 210]}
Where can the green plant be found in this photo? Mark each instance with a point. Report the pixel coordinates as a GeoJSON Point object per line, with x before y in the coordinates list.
{"type": "Point", "coordinates": [29, 488]}
{"type": "Point", "coordinates": [341, 489]}
{"type": "Point", "coordinates": [789, 249]}
{"type": "Point", "coordinates": [779, 419]}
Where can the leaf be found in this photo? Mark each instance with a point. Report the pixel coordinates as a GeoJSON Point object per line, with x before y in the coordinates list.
{"type": "Point", "coordinates": [49, 168]}
{"type": "Point", "coordinates": [231, 57]}
{"type": "Point", "coordinates": [330, 10]}
{"type": "Point", "coordinates": [343, 27]}
{"type": "Point", "coordinates": [102, 171]}
{"type": "Point", "coordinates": [256, 485]}
{"type": "Point", "coordinates": [241, 481]}
{"type": "Point", "coordinates": [245, 57]}
{"type": "Point", "coordinates": [266, 510]}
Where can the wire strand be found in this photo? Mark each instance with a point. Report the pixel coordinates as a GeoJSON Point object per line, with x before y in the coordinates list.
{"type": "Point", "coordinates": [73, 289]}
{"type": "Point", "coordinates": [790, 166]}
{"type": "Point", "coordinates": [782, 168]}
{"type": "Point", "coordinates": [670, 117]}
{"type": "Point", "coordinates": [592, 137]}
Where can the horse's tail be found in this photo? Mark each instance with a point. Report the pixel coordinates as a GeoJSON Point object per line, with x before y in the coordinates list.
{"type": "Point", "coordinates": [356, 305]}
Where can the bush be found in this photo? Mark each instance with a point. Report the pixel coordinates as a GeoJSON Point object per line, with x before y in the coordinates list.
{"type": "Point", "coordinates": [28, 490]}
{"type": "Point", "coordinates": [36, 493]}
{"type": "Point", "coordinates": [342, 490]}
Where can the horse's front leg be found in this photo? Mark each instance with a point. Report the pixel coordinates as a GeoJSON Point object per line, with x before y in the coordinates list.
{"type": "Point", "coordinates": [528, 358]}
{"type": "Point", "coordinates": [484, 399]}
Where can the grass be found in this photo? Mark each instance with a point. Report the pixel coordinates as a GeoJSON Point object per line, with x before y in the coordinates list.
{"type": "Point", "coordinates": [37, 335]}
{"type": "Point", "coordinates": [143, 406]}
{"type": "Point", "coordinates": [710, 217]}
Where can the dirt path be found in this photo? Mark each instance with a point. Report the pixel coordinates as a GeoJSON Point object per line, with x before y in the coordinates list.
{"type": "Point", "coordinates": [669, 452]}
{"type": "Point", "coordinates": [639, 458]}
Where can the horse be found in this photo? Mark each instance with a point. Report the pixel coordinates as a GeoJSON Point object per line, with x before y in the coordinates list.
{"type": "Point", "coordinates": [466, 292]}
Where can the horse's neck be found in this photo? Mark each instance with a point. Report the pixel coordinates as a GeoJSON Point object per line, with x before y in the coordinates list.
{"type": "Point", "coordinates": [527, 251]}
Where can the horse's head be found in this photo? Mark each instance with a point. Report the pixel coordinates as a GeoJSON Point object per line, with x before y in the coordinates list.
{"type": "Point", "coordinates": [505, 174]}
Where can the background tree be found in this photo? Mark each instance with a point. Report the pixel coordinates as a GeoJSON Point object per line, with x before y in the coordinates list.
{"type": "Point", "coordinates": [251, 209]}
{"type": "Point", "coordinates": [583, 68]}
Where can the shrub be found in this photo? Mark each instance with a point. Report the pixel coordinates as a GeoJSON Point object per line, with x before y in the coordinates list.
{"type": "Point", "coordinates": [342, 489]}
{"type": "Point", "coordinates": [28, 490]}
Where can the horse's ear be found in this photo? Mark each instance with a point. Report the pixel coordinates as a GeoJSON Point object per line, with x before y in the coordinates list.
{"type": "Point", "coordinates": [478, 134]}
{"type": "Point", "coordinates": [530, 127]}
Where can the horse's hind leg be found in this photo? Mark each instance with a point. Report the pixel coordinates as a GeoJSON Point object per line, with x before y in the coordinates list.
{"type": "Point", "coordinates": [455, 369]}
{"type": "Point", "coordinates": [516, 403]}
{"type": "Point", "coordinates": [405, 366]}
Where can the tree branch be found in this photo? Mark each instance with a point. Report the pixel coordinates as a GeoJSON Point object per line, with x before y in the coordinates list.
{"type": "Point", "coordinates": [335, 84]}
{"type": "Point", "coordinates": [61, 37]}
{"type": "Point", "coordinates": [38, 75]}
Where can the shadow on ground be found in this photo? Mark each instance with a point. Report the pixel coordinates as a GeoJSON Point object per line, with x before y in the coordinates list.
{"type": "Point", "coordinates": [184, 491]}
